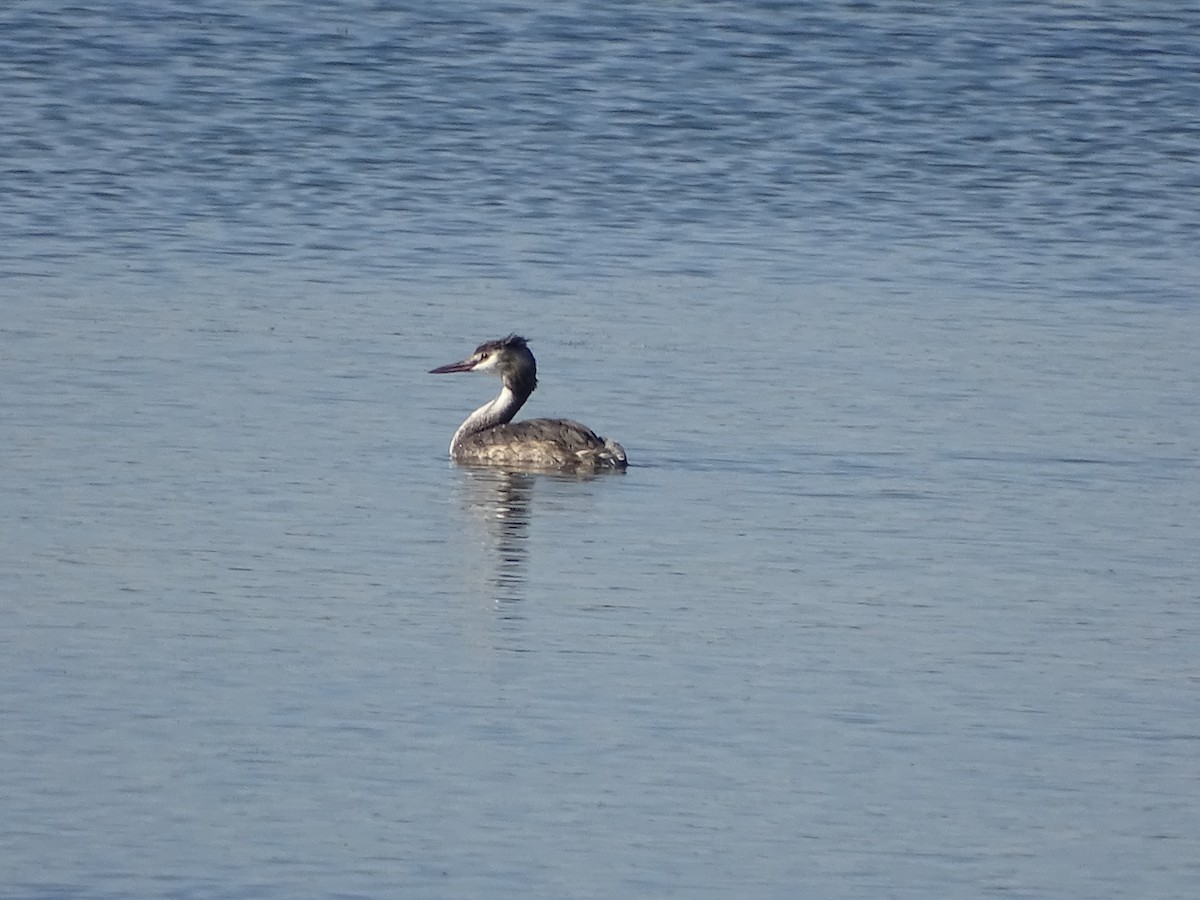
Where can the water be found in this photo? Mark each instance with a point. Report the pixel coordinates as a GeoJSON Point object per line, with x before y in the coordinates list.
{"type": "Point", "coordinates": [893, 308]}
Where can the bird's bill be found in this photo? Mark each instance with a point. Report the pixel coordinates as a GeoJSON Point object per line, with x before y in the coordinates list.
{"type": "Point", "coordinates": [465, 365]}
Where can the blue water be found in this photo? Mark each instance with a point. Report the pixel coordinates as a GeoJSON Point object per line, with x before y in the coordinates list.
{"type": "Point", "coordinates": [893, 307]}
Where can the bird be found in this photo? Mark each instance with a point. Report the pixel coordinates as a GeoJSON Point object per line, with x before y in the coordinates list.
{"type": "Point", "coordinates": [490, 437]}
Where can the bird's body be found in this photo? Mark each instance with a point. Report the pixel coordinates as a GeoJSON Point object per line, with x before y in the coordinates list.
{"type": "Point", "coordinates": [490, 437]}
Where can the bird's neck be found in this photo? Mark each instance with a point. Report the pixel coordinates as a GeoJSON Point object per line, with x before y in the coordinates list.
{"type": "Point", "coordinates": [491, 414]}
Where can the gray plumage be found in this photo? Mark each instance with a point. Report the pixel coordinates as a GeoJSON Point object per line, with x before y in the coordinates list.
{"type": "Point", "coordinates": [490, 437]}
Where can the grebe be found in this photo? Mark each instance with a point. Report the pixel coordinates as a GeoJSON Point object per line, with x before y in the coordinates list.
{"type": "Point", "coordinates": [490, 437]}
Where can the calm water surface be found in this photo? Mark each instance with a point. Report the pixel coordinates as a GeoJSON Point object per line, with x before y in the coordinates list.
{"type": "Point", "coordinates": [894, 310]}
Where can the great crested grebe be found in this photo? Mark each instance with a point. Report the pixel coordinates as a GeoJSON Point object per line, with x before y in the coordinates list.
{"type": "Point", "coordinates": [490, 437]}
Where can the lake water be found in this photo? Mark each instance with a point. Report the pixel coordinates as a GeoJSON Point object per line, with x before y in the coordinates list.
{"type": "Point", "coordinates": [893, 306]}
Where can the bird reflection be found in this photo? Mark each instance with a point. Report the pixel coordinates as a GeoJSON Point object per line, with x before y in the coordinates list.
{"type": "Point", "coordinates": [500, 501]}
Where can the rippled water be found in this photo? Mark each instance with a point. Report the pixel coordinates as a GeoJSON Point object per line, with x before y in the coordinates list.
{"type": "Point", "coordinates": [893, 308]}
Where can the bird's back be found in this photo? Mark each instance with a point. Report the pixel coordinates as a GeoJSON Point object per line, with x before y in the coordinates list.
{"type": "Point", "coordinates": [562, 444]}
